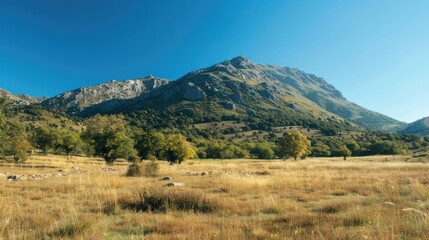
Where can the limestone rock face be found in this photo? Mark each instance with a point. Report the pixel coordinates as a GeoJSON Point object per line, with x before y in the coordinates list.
{"type": "Point", "coordinates": [77, 100]}
{"type": "Point", "coordinates": [193, 92]}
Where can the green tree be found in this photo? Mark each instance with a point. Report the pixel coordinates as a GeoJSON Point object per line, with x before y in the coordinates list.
{"type": "Point", "coordinates": [108, 136]}
{"type": "Point", "coordinates": [345, 152]}
{"type": "Point", "coordinates": [262, 150]}
{"type": "Point", "coordinates": [18, 146]}
{"type": "Point", "coordinates": [44, 139]}
{"type": "Point", "coordinates": [13, 139]}
{"type": "Point", "coordinates": [353, 146]}
{"type": "Point", "coordinates": [294, 144]}
{"type": "Point", "coordinates": [319, 149]}
{"type": "Point", "coordinates": [176, 149]}
{"type": "Point", "coordinates": [3, 129]}
{"type": "Point", "coordinates": [67, 141]}
{"type": "Point", "coordinates": [150, 144]}
{"type": "Point", "coordinates": [388, 148]}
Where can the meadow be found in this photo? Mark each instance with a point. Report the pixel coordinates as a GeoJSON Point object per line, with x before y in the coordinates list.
{"type": "Point", "coordinates": [380, 197]}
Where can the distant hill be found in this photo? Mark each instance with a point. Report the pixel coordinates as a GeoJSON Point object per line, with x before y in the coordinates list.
{"type": "Point", "coordinates": [418, 127]}
{"type": "Point", "coordinates": [20, 99]}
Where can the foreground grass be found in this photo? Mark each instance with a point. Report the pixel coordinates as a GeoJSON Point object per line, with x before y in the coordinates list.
{"type": "Point", "coordinates": [366, 198]}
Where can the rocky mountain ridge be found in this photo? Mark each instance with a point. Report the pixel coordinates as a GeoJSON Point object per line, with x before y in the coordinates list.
{"type": "Point", "coordinates": [77, 100]}
{"type": "Point", "coordinates": [20, 99]}
{"type": "Point", "coordinates": [237, 87]}
{"type": "Point", "coordinates": [241, 85]}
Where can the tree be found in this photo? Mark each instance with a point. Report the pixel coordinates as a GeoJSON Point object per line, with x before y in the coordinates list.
{"type": "Point", "coordinates": [67, 141]}
{"type": "Point", "coordinates": [353, 146]}
{"type": "Point", "coordinates": [108, 136]}
{"type": "Point", "coordinates": [3, 129]}
{"type": "Point", "coordinates": [388, 148]}
{"type": "Point", "coordinates": [13, 139]}
{"type": "Point", "coordinates": [44, 138]}
{"type": "Point", "coordinates": [345, 152]}
{"type": "Point", "coordinates": [150, 144]}
{"type": "Point", "coordinates": [18, 146]}
{"type": "Point", "coordinates": [262, 150]}
{"type": "Point", "coordinates": [176, 149]}
{"type": "Point", "coordinates": [294, 144]}
{"type": "Point", "coordinates": [319, 149]}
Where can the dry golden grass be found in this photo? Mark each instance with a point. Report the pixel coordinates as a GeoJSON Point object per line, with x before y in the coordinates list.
{"type": "Point", "coordinates": [363, 198]}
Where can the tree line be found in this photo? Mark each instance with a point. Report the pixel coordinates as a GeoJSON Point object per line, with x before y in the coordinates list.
{"type": "Point", "coordinates": [114, 136]}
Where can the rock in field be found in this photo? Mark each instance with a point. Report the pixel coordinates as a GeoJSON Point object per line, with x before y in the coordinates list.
{"type": "Point", "coordinates": [166, 178]}
{"type": "Point", "coordinates": [13, 177]}
{"type": "Point", "coordinates": [174, 184]}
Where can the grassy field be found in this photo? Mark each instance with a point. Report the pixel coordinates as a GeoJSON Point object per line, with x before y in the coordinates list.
{"type": "Point", "coordinates": [363, 198]}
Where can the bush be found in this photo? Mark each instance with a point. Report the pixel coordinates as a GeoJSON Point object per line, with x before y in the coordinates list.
{"type": "Point", "coordinates": [151, 169]}
{"type": "Point", "coordinates": [135, 170]}
{"type": "Point", "coordinates": [156, 200]}
{"type": "Point", "coordinates": [20, 157]}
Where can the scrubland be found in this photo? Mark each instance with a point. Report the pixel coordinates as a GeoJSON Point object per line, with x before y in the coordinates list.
{"type": "Point", "coordinates": [378, 197]}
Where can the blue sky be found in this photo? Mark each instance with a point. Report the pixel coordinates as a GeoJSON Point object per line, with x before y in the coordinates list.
{"type": "Point", "coordinates": [375, 52]}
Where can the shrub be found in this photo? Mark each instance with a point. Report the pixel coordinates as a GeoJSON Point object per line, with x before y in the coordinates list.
{"type": "Point", "coordinates": [74, 227]}
{"type": "Point", "coordinates": [156, 200]}
{"type": "Point", "coordinates": [20, 157]}
{"type": "Point", "coordinates": [151, 169]}
{"type": "Point", "coordinates": [135, 170]}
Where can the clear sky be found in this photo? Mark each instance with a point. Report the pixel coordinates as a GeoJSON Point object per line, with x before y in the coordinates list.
{"type": "Point", "coordinates": [375, 52]}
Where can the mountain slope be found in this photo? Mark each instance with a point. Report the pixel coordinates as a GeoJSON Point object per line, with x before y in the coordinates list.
{"type": "Point", "coordinates": [418, 127]}
{"type": "Point", "coordinates": [239, 86]}
{"type": "Point", "coordinates": [75, 101]}
{"type": "Point", "coordinates": [20, 99]}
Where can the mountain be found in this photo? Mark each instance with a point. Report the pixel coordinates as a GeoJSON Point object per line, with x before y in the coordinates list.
{"type": "Point", "coordinates": [20, 99]}
{"type": "Point", "coordinates": [75, 101]}
{"type": "Point", "coordinates": [238, 87]}
{"type": "Point", "coordinates": [418, 127]}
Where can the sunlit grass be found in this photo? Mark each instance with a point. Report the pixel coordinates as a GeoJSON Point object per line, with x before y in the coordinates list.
{"type": "Point", "coordinates": [363, 198]}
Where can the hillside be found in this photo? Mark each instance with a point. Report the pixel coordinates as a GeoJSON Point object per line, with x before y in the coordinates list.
{"type": "Point", "coordinates": [75, 101]}
{"type": "Point", "coordinates": [418, 127]}
{"type": "Point", "coordinates": [239, 87]}
{"type": "Point", "coordinates": [20, 99]}
{"type": "Point", "coordinates": [34, 116]}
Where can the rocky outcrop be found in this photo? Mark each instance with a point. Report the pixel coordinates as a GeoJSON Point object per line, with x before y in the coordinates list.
{"type": "Point", "coordinates": [21, 99]}
{"type": "Point", "coordinates": [178, 91]}
{"type": "Point", "coordinates": [77, 100]}
{"type": "Point", "coordinates": [193, 92]}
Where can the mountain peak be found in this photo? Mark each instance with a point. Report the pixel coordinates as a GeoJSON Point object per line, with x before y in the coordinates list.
{"type": "Point", "coordinates": [240, 62]}
{"type": "Point", "coordinates": [240, 58]}
{"type": "Point", "coordinates": [150, 77]}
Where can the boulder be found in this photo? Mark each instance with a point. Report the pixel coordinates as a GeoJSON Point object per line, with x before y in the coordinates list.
{"type": "Point", "coordinates": [14, 177]}
{"type": "Point", "coordinates": [175, 184]}
{"type": "Point", "coordinates": [166, 178]}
